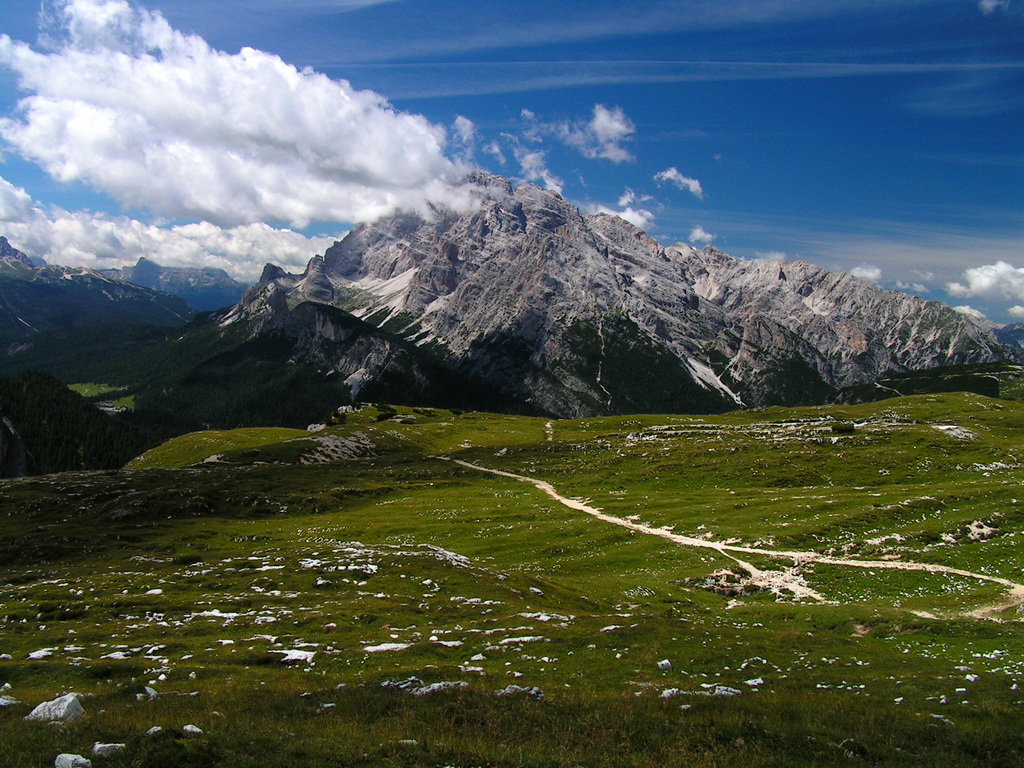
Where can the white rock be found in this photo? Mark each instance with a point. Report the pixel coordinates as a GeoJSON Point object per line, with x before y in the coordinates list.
{"type": "Point", "coordinates": [7, 701]}
{"type": "Point", "coordinates": [193, 730]}
{"type": "Point", "coordinates": [100, 748]}
{"type": "Point", "coordinates": [154, 730]}
{"type": "Point", "coordinates": [68, 760]}
{"type": "Point", "coordinates": [65, 708]}
{"type": "Point", "coordinates": [664, 665]}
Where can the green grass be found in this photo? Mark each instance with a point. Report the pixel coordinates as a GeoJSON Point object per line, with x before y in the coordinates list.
{"type": "Point", "coordinates": [95, 391]}
{"type": "Point", "coordinates": [195, 578]}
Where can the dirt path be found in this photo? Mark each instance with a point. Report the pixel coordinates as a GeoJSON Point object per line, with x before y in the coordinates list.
{"type": "Point", "coordinates": [775, 581]}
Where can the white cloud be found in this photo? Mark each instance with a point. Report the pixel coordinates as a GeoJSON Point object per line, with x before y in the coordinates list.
{"type": "Point", "coordinates": [626, 198]}
{"type": "Point", "coordinates": [602, 136]}
{"type": "Point", "coordinates": [465, 130]}
{"type": "Point", "coordinates": [991, 281]}
{"type": "Point", "coordinates": [673, 176]}
{"type": "Point", "coordinates": [157, 118]}
{"type": "Point", "coordinates": [770, 255]}
{"type": "Point", "coordinates": [964, 309]}
{"type": "Point", "coordinates": [699, 235]}
{"type": "Point", "coordinates": [533, 164]}
{"type": "Point", "coordinates": [98, 242]}
{"type": "Point", "coordinates": [1016, 311]}
{"type": "Point", "coordinates": [493, 148]}
{"type": "Point", "coordinates": [990, 6]}
{"type": "Point", "coordinates": [638, 217]}
{"type": "Point", "coordinates": [867, 273]}
{"type": "Point", "coordinates": [911, 287]}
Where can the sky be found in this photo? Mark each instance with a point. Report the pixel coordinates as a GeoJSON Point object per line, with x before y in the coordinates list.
{"type": "Point", "coordinates": [880, 137]}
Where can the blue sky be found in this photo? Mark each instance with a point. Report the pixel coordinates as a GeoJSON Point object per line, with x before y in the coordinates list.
{"type": "Point", "coordinates": [880, 137]}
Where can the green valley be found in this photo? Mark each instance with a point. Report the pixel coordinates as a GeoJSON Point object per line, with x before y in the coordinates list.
{"type": "Point", "coordinates": [776, 587]}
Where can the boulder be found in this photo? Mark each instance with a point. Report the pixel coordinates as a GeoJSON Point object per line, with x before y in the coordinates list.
{"type": "Point", "coordinates": [99, 749]}
{"type": "Point", "coordinates": [64, 708]}
{"type": "Point", "coordinates": [68, 760]}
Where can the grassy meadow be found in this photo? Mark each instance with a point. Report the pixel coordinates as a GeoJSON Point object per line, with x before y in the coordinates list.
{"type": "Point", "coordinates": [350, 597]}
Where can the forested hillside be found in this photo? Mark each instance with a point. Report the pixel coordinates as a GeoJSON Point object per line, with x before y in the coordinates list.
{"type": "Point", "coordinates": [62, 431]}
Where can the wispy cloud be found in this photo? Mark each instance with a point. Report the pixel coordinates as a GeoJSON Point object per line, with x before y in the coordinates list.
{"type": "Point", "coordinates": [602, 136]}
{"type": "Point", "coordinates": [433, 79]}
{"type": "Point", "coordinates": [674, 177]}
{"type": "Point", "coordinates": [991, 6]}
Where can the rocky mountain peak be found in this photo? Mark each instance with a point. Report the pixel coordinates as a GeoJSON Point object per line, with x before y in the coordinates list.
{"type": "Point", "coordinates": [12, 257]}
{"type": "Point", "coordinates": [579, 313]}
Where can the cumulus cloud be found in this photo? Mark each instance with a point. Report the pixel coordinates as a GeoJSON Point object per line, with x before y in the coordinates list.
{"type": "Point", "coordinates": [964, 309]}
{"type": "Point", "coordinates": [98, 242]}
{"type": "Point", "coordinates": [699, 235]}
{"type": "Point", "coordinates": [867, 273]}
{"type": "Point", "coordinates": [602, 136]}
{"type": "Point", "coordinates": [157, 118]}
{"type": "Point", "coordinates": [991, 281]}
{"type": "Point", "coordinates": [673, 176]}
{"type": "Point", "coordinates": [1016, 311]}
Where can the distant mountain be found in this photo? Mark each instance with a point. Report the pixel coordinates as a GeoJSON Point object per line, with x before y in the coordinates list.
{"type": "Point", "coordinates": [37, 299]}
{"type": "Point", "coordinates": [572, 314]}
{"type": "Point", "coordinates": [1012, 335]}
{"type": "Point", "coordinates": [205, 288]}
{"type": "Point", "coordinates": [11, 257]}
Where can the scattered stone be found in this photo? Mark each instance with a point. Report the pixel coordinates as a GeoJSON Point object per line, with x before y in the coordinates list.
{"type": "Point", "coordinates": [408, 742]}
{"type": "Point", "coordinates": [508, 690]}
{"type": "Point", "coordinates": [853, 748]}
{"type": "Point", "coordinates": [68, 760]}
{"type": "Point", "coordinates": [442, 686]}
{"type": "Point", "coordinates": [665, 665]}
{"type": "Point", "coordinates": [155, 730]}
{"type": "Point", "coordinates": [100, 749]}
{"type": "Point", "coordinates": [409, 684]}
{"type": "Point", "coordinates": [192, 730]}
{"type": "Point", "coordinates": [7, 701]}
{"type": "Point", "coordinates": [64, 708]}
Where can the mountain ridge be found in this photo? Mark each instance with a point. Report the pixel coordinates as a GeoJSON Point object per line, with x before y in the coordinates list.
{"type": "Point", "coordinates": [530, 294]}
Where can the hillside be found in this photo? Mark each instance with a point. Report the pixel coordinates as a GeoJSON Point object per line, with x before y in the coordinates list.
{"type": "Point", "coordinates": [34, 300]}
{"type": "Point", "coordinates": [61, 431]}
{"type": "Point", "coordinates": [799, 587]}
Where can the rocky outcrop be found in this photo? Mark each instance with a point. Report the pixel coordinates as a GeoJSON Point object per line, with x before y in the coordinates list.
{"type": "Point", "coordinates": [12, 257]}
{"type": "Point", "coordinates": [578, 314]}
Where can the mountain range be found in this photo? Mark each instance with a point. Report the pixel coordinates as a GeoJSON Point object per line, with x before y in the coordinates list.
{"type": "Point", "coordinates": [203, 288]}
{"type": "Point", "coordinates": [35, 299]}
{"type": "Point", "coordinates": [523, 304]}
{"type": "Point", "coordinates": [570, 313]}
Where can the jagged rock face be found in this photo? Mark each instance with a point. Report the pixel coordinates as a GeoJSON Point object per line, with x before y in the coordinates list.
{"type": "Point", "coordinates": [578, 314]}
{"type": "Point", "coordinates": [12, 257]}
